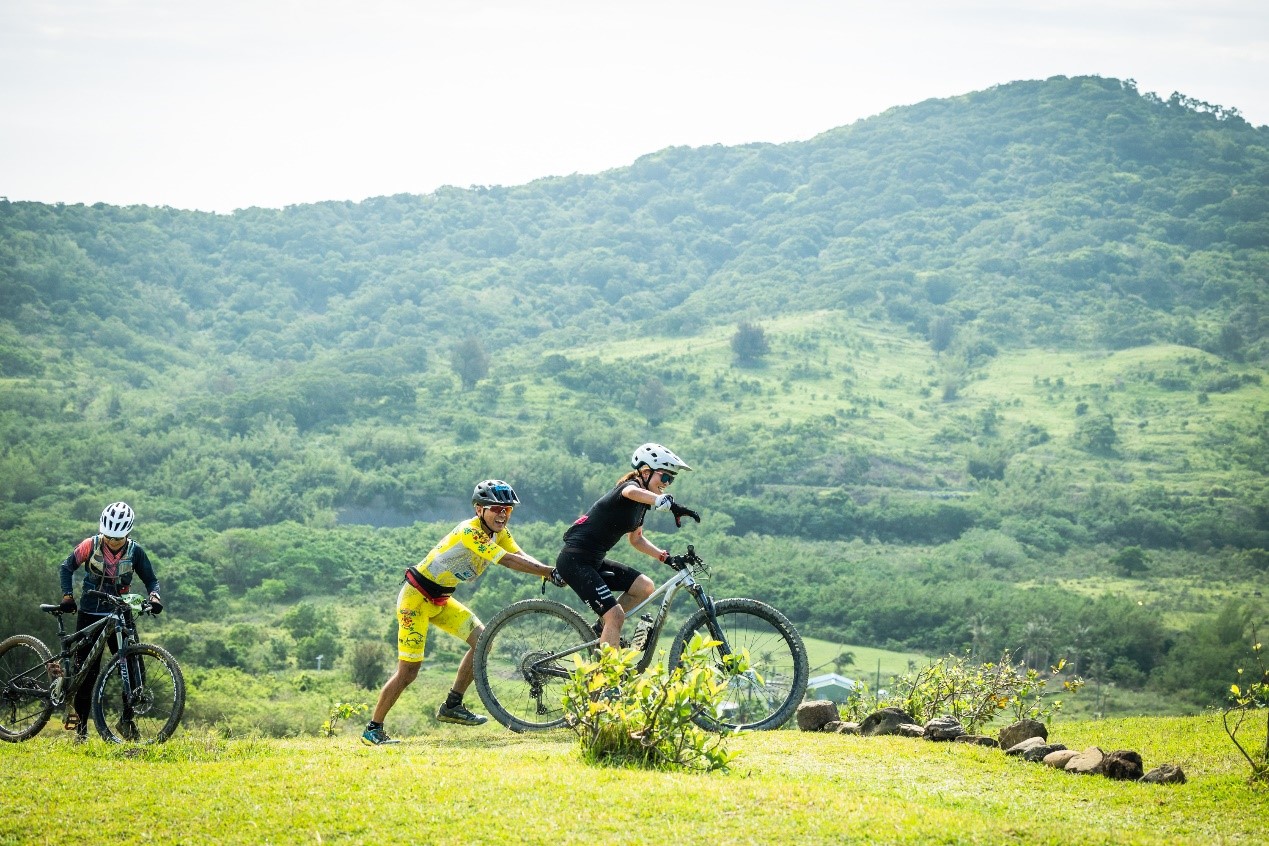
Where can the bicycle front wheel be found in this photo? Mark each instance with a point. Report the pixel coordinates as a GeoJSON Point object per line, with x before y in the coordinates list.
{"type": "Point", "coordinates": [519, 682]}
{"type": "Point", "coordinates": [25, 699]}
{"type": "Point", "coordinates": [766, 695]}
{"type": "Point", "coordinates": [140, 696]}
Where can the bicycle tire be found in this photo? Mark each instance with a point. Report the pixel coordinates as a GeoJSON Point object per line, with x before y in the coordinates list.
{"type": "Point", "coordinates": [517, 698]}
{"type": "Point", "coordinates": [25, 700]}
{"type": "Point", "coordinates": [158, 696]}
{"type": "Point", "coordinates": [777, 657]}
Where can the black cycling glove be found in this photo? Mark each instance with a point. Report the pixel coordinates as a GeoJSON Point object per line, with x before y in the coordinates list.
{"type": "Point", "coordinates": [680, 512]}
{"type": "Point", "coordinates": [68, 606]}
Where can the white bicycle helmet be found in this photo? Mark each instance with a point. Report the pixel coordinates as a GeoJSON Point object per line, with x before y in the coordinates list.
{"type": "Point", "coordinates": [116, 521]}
{"type": "Point", "coordinates": [658, 458]}
{"type": "Point", "coordinates": [494, 492]}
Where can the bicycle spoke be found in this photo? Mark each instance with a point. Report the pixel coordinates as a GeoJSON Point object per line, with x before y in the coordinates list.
{"type": "Point", "coordinates": [765, 695]}
{"type": "Point", "coordinates": [518, 681]}
{"type": "Point", "coordinates": [148, 706]}
{"type": "Point", "coordinates": [25, 703]}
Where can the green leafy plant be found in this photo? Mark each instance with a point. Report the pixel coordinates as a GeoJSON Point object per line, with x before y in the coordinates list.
{"type": "Point", "coordinates": [975, 693]}
{"type": "Point", "coordinates": [1248, 695]}
{"type": "Point", "coordinates": [621, 716]}
{"type": "Point", "coordinates": [341, 711]}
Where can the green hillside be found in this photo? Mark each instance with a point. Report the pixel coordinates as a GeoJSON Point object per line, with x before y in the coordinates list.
{"type": "Point", "coordinates": [984, 372]}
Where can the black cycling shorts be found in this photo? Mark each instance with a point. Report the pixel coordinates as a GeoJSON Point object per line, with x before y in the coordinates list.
{"type": "Point", "coordinates": [594, 578]}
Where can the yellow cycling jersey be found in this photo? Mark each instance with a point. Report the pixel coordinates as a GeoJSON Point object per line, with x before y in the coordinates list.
{"type": "Point", "coordinates": [465, 552]}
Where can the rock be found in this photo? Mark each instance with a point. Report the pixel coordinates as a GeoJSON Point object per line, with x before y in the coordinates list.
{"type": "Point", "coordinates": [911, 730]}
{"type": "Point", "coordinates": [1060, 758]}
{"type": "Point", "coordinates": [831, 726]}
{"type": "Point", "coordinates": [1123, 764]}
{"type": "Point", "coordinates": [1165, 774]}
{"type": "Point", "coordinates": [944, 728]}
{"type": "Point", "coordinates": [1036, 754]}
{"type": "Point", "coordinates": [885, 721]}
{"type": "Point", "coordinates": [978, 740]}
{"type": "Point", "coordinates": [1087, 762]}
{"type": "Point", "coordinates": [1012, 735]}
{"type": "Point", "coordinates": [815, 714]}
{"type": "Point", "coordinates": [848, 728]}
{"type": "Point", "coordinates": [1026, 745]}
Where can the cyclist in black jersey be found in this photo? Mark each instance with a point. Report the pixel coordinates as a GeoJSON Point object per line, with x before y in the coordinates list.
{"type": "Point", "coordinates": [582, 563]}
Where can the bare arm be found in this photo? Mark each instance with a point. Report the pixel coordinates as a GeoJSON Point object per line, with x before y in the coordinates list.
{"type": "Point", "coordinates": [647, 547]}
{"type": "Point", "coordinates": [523, 562]}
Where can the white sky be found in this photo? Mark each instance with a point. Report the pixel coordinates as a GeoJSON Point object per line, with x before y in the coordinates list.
{"type": "Point", "coordinates": [224, 104]}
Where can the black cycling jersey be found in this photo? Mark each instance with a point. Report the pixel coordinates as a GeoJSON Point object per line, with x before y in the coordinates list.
{"type": "Point", "coordinates": [606, 522]}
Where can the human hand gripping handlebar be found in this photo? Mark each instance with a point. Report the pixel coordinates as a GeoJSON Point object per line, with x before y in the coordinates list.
{"type": "Point", "coordinates": [678, 562]}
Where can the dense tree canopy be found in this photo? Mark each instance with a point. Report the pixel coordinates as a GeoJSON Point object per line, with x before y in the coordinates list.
{"type": "Point", "coordinates": [995, 331]}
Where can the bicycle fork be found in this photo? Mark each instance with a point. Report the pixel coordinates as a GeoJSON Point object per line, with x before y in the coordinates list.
{"type": "Point", "coordinates": [711, 620]}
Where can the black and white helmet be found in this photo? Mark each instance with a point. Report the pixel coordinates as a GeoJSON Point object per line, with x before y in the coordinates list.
{"type": "Point", "coordinates": [494, 492]}
{"type": "Point", "coordinates": [116, 521]}
{"type": "Point", "coordinates": [658, 458]}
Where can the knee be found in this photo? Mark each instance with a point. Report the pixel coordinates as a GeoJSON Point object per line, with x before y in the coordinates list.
{"type": "Point", "coordinates": [642, 587]}
{"type": "Point", "coordinates": [616, 614]}
{"type": "Point", "coordinates": [475, 636]}
{"type": "Point", "coordinates": [408, 671]}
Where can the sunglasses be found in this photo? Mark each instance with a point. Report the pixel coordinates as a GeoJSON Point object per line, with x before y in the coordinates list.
{"type": "Point", "coordinates": [499, 509]}
{"type": "Point", "coordinates": [667, 479]}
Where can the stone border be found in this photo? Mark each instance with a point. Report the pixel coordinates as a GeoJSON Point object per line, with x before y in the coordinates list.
{"type": "Point", "coordinates": [1026, 739]}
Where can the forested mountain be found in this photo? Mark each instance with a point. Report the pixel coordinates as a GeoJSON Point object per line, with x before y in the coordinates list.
{"type": "Point", "coordinates": [992, 341]}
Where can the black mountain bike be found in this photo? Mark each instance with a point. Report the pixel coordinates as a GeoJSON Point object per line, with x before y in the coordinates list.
{"type": "Point", "coordinates": [139, 696]}
{"type": "Point", "coordinates": [524, 655]}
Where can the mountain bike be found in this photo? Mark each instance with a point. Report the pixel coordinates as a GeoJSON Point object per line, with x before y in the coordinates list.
{"type": "Point", "coordinates": [139, 696]}
{"type": "Point", "coordinates": [525, 654]}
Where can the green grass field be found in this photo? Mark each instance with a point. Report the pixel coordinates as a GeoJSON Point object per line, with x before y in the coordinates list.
{"type": "Point", "coordinates": [485, 785]}
{"type": "Point", "coordinates": [869, 662]}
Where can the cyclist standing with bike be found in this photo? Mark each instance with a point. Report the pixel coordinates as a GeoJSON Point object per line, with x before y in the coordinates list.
{"type": "Point", "coordinates": [426, 600]}
{"type": "Point", "coordinates": [109, 559]}
{"type": "Point", "coordinates": [582, 562]}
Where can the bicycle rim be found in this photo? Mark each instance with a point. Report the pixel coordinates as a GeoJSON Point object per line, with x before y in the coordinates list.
{"type": "Point", "coordinates": [25, 703]}
{"type": "Point", "coordinates": [765, 696]}
{"type": "Point", "coordinates": [148, 707]}
{"type": "Point", "coordinates": [508, 663]}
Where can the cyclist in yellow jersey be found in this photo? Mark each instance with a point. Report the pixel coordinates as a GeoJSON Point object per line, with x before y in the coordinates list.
{"type": "Point", "coordinates": [426, 600]}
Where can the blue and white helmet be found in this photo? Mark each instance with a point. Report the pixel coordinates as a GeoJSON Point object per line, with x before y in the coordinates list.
{"type": "Point", "coordinates": [658, 458]}
{"type": "Point", "coordinates": [116, 521]}
{"type": "Point", "coordinates": [494, 492]}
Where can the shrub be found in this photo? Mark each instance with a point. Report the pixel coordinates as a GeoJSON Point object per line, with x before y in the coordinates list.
{"type": "Point", "coordinates": [341, 711]}
{"type": "Point", "coordinates": [1250, 694]}
{"type": "Point", "coordinates": [975, 694]}
{"type": "Point", "coordinates": [646, 719]}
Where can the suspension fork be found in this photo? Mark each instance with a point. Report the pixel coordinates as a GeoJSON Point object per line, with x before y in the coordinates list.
{"type": "Point", "coordinates": [706, 602]}
{"type": "Point", "coordinates": [130, 668]}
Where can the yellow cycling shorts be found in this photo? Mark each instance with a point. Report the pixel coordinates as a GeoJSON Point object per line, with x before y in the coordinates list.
{"type": "Point", "coordinates": [415, 612]}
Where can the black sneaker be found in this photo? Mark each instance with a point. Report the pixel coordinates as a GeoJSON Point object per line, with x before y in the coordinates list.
{"type": "Point", "coordinates": [377, 737]}
{"type": "Point", "coordinates": [460, 715]}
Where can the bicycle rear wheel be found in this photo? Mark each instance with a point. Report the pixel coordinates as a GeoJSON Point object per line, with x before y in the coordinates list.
{"type": "Point", "coordinates": [517, 681]}
{"type": "Point", "coordinates": [765, 696]}
{"type": "Point", "coordinates": [146, 705]}
{"type": "Point", "coordinates": [25, 701]}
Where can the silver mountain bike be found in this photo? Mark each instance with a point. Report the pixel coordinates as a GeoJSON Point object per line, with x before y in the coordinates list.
{"type": "Point", "coordinates": [525, 655]}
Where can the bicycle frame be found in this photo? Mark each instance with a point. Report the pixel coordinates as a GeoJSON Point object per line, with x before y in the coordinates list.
{"type": "Point", "coordinates": [114, 624]}
{"type": "Point", "coordinates": [683, 579]}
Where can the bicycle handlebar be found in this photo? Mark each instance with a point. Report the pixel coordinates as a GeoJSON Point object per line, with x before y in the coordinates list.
{"type": "Point", "coordinates": [687, 559]}
{"type": "Point", "coordinates": [118, 601]}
